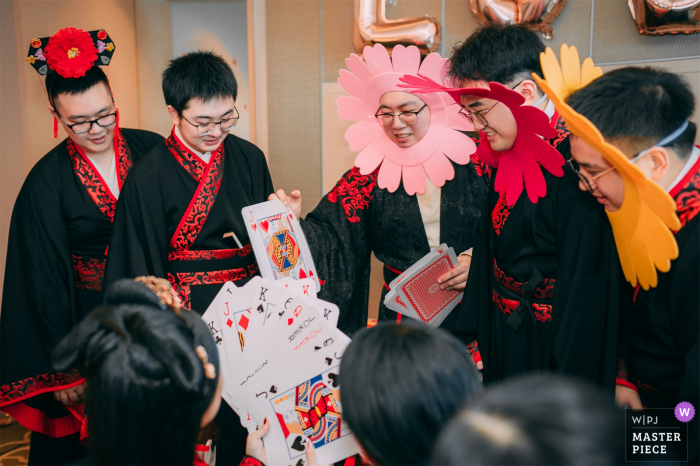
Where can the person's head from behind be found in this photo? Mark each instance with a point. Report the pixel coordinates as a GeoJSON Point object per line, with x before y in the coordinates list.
{"type": "Point", "coordinates": [507, 55]}
{"type": "Point", "coordinates": [644, 113]}
{"type": "Point", "coordinates": [85, 108]}
{"type": "Point", "coordinates": [404, 116]}
{"type": "Point", "coordinates": [399, 384]}
{"type": "Point", "coordinates": [152, 377]}
{"type": "Point", "coordinates": [200, 91]}
{"type": "Point", "coordinates": [535, 419]}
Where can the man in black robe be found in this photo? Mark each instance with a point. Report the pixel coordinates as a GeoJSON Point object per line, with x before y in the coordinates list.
{"type": "Point", "coordinates": [179, 216]}
{"type": "Point", "coordinates": [56, 255]}
{"type": "Point", "coordinates": [542, 291]}
{"type": "Point", "coordinates": [644, 112]}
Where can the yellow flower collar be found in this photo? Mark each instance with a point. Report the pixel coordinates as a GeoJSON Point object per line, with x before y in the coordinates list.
{"type": "Point", "coordinates": [642, 226]}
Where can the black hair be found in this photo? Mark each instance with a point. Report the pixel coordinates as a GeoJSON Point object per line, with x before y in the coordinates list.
{"type": "Point", "coordinates": [57, 84]}
{"type": "Point", "coordinates": [638, 107]}
{"type": "Point", "coordinates": [399, 384]}
{"type": "Point", "coordinates": [535, 419]}
{"type": "Point", "coordinates": [197, 75]}
{"type": "Point", "coordinates": [497, 53]}
{"type": "Point", "coordinates": [146, 388]}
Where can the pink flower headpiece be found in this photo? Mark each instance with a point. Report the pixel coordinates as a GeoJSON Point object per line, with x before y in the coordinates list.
{"type": "Point", "coordinates": [521, 163]}
{"type": "Point", "coordinates": [378, 74]}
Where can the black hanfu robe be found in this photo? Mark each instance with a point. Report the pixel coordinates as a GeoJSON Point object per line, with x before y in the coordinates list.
{"type": "Point", "coordinates": [540, 293]}
{"type": "Point", "coordinates": [357, 218]}
{"type": "Point", "coordinates": [172, 221]}
{"type": "Point", "coordinates": [56, 255]}
{"type": "Point", "coordinates": [660, 347]}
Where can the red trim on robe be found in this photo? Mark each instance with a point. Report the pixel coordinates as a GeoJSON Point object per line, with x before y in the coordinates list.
{"type": "Point", "coordinates": [27, 388]}
{"type": "Point", "coordinates": [355, 192]}
{"type": "Point", "coordinates": [686, 193]}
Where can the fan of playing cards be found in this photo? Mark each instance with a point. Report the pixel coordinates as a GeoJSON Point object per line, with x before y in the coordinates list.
{"type": "Point", "coordinates": [416, 292]}
{"type": "Point", "coordinates": [280, 356]}
{"type": "Point", "coordinates": [278, 242]}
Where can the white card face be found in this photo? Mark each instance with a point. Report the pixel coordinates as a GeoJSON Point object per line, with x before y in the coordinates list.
{"type": "Point", "coordinates": [303, 405]}
{"type": "Point", "coordinates": [278, 242]}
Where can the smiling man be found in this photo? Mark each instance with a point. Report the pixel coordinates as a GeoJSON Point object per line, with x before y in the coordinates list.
{"type": "Point", "coordinates": [179, 216]}
{"type": "Point", "coordinates": [644, 112]}
{"type": "Point", "coordinates": [542, 292]}
{"type": "Point", "coordinates": [57, 247]}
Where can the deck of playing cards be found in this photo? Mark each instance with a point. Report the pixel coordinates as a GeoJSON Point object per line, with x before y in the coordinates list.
{"type": "Point", "coordinates": [280, 354]}
{"type": "Point", "coordinates": [416, 293]}
{"type": "Point", "coordinates": [278, 242]}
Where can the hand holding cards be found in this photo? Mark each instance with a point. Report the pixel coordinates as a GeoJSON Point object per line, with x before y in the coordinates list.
{"type": "Point", "coordinates": [280, 356]}
{"type": "Point", "coordinates": [278, 242]}
{"type": "Point", "coordinates": [416, 292]}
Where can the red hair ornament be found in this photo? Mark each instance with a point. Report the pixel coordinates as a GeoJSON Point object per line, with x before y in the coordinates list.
{"type": "Point", "coordinates": [519, 165]}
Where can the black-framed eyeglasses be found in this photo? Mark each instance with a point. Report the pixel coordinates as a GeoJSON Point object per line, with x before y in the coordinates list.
{"type": "Point", "coordinates": [589, 183]}
{"type": "Point", "coordinates": [225, 124]}
{"type": "Point", "coordinates": [480, 116]}
{"type": "Point", "coordinates": [407, 118]}
{"type": "Point", "coordinates": [85, 126]}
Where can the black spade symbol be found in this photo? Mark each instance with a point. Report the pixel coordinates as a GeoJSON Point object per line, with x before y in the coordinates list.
{"type": "Point", "coordinates": [329, 361]}
{"type": "Point", "coordinates": [260, 309]}
{"type": "Point", "coordinates": [334, 379]}
{"type": "Point", "coordinates": [273, 389]}
{"type": "Point", "coordinates": [300, 462]}
{"type": "Point", "coordinates": [297, 444]}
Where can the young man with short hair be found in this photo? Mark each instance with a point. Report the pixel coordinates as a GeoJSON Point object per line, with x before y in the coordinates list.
{"type": "Point", "coordinates": [179, 216]}
{"type": "Point", "coordinates": [644, 113]}
{"type": "Point", "coordinates": [57, 247]}
{"type": "Point", "coordinates": [541, 293]}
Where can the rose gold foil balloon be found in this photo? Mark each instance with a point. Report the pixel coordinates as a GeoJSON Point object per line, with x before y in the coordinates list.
{"type": "Point", "coordinates": [370, 27]}
{"type": "Point", "coordinates": [658, 17]}
{"type": "Point", "coordinates": [537, 15]}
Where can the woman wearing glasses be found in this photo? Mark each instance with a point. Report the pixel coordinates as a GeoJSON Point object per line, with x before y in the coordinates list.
{"type": "Point", "coordinates": [412, 187]}
{"type": "Point", "coordinates": [58, 239]}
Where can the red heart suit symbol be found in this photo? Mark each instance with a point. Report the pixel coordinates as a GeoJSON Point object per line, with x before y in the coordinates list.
{"type": "Point", "coordinates": [255, 227]}
{"type": "Point", "coordinates": [265, 225]}
{"type": "Point", "coordinates": [302, 274]}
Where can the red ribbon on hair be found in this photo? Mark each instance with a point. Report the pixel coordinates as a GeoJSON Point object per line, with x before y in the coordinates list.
{"type": "Point", "coordinates": [55, 128]}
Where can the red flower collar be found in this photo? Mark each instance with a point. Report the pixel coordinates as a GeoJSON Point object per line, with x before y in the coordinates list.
{"type": "Point", "coordinates": [521, 163]}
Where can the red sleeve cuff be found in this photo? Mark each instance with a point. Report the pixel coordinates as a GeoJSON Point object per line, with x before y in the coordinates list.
{"type": "Point", "coordinates": [627, 384]}
{"type": "Point", "coordinates": [473, 349]}
{"type": "Point", "coordinates": [250, 461]}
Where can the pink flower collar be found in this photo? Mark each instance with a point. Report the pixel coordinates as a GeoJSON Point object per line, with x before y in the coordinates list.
{"type": "Point", "coordinates": [378, 74]}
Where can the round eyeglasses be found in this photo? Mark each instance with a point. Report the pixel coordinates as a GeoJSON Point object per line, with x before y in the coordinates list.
{"type": "Point", "coordinates": [407, 118]}
{"type": "Point", "coordinates": [589, 183]}
{"type": "Point", "coordinates": [85, 126]}
{"type": "Point", "coordinates": [226, 124]}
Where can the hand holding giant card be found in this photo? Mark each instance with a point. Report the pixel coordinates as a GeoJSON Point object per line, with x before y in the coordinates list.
{"type": "Point", "coordinates": [278, 242]}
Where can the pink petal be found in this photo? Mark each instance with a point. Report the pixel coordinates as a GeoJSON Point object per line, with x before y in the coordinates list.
{"type": "Point", "coordinates": [439, 169]}
{"type": "Point", "coordinates": [457, 121]}
{"type": "Point", "coordinates": [413, 179]}
{"type": "Point", "coordinates": [350, 108]}
{"type": "Point", "coordinates": [389, 175]}
{"type": "Point", "coordinates": [369, 159]}
{"type": "Point", "coordinates": [457, 146]}
{"type": "Point", "coordinates": [351, 84]}
{"type": "Point", "coordinates": [358, 68]}
{"type": "Point", "coordinates": [434, 67]}
{"type": "Point", "coordinates": [405, 60]}
{"type": "Point", "coordinates": [359, 135]}
{"type": "Point", "coordinates": [377, 59]}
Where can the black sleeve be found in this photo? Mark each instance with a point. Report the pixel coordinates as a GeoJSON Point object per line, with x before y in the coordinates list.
{"type": "Point", "coordinates": [338, 233]}
{"type": "Point", "coordinates": [39, 305]}
{"type": "Point", "coordinates": [587, 294]}
{"type": "Point", "coordinates": [141, 142]}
